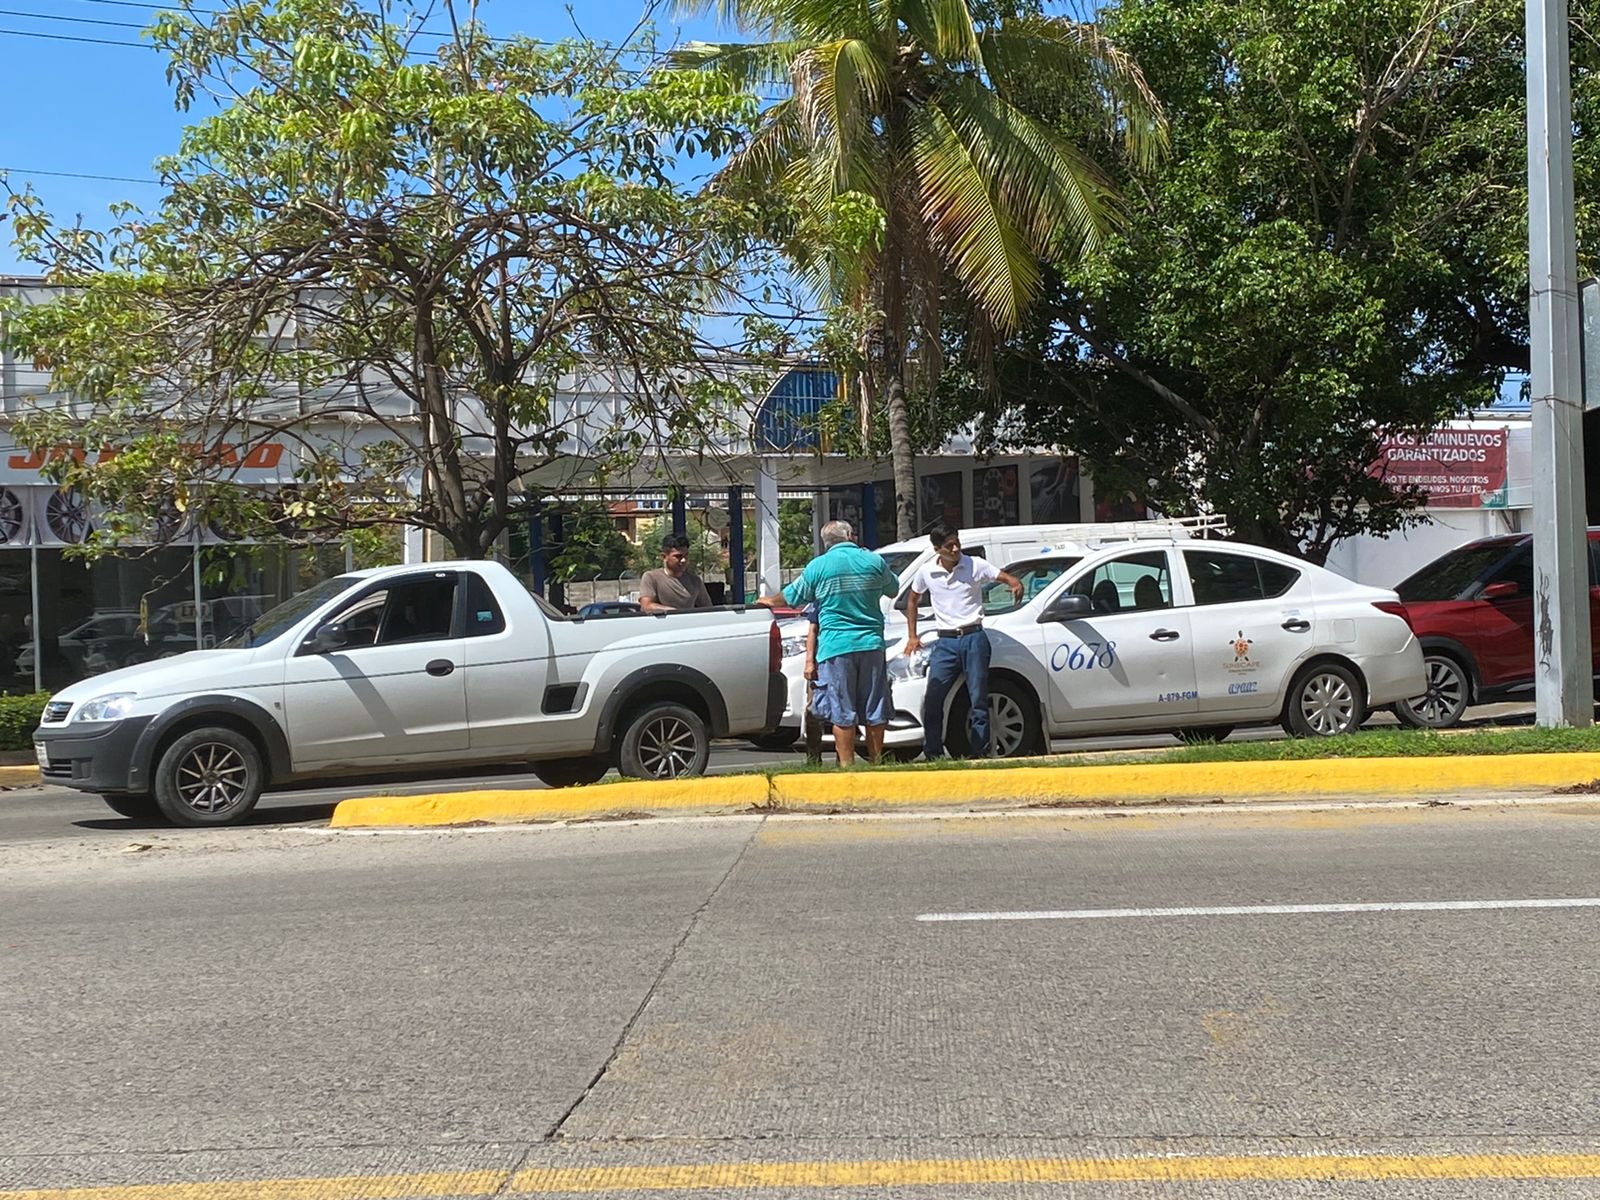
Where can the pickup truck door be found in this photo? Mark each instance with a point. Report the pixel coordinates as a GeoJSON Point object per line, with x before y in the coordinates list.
{"type": "Point", "coordinates": [395, 692]}
{"type": "Point", "coordinates": [511, 710]}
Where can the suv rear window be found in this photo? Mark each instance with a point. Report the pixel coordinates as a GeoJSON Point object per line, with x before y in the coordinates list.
{"type": "Point", "coordinates": [1450, 577]}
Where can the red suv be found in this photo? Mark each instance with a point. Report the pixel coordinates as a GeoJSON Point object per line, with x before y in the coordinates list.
{"type": "Point", "coordinates": [1472, 610]}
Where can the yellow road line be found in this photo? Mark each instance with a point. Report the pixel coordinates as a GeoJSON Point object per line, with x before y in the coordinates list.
{"type": "Point", "coordinates": [1365, 1168]}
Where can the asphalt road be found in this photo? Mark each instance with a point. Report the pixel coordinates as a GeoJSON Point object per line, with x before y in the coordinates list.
{"type": "Point", "coordinates": [755, 1006]}
{"type": "Point", "coordinates": [50, 813]}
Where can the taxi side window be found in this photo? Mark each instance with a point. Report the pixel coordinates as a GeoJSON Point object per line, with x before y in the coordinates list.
{"type": "Point", "coordinates": [1133, 583]}
{"type": "Point", "coordinates": [1220, 578]}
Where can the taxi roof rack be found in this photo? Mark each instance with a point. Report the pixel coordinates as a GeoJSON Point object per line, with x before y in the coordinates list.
{"type": "Point", "coordinates": [1105, 533]}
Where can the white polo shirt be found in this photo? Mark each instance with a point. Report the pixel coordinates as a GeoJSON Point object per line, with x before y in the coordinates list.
{"type": "Point", "coordinates": [957, 594]}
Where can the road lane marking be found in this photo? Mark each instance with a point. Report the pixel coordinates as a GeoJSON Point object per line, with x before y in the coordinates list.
{"type": "Point", "coordinates": [1259, 910]}
{"type": "Point", "coordinates": [540, 1181]}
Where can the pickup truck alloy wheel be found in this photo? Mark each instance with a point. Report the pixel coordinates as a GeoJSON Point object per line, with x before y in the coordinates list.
{"type": "Point", "coordinates": [1325, 700]}
{"type": "Point", "coordinates": [1443, 704]}
{"type": "Point", "coordinates": [665, 741]}
{"type": "Point", "coordinates": [209, 777]}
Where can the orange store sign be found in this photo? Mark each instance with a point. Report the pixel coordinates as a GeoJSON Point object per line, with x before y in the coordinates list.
{"type": "Point", "coordinates": [262, 457]}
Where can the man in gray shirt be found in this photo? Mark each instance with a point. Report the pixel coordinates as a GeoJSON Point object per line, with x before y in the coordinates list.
{"type": "Point", "coordinates": [673, 587]}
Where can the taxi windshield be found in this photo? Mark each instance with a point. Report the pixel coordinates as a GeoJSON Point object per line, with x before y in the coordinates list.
{"type": "Point", "coordinates": [1034, 576]}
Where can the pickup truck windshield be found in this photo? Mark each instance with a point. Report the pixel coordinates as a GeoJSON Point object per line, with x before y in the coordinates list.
{"type": "Point", "coordinates": [274, 622]}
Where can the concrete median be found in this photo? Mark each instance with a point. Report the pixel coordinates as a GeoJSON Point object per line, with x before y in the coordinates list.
{"type": "Point", "coordinates": [868, 790]}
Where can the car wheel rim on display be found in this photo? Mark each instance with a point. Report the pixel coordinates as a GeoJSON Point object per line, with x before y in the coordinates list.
{"type": "Point", "coordinates": [1445, 697]}
{"type": "Point", "coordinates": [667, 748]}
{"type": "Point", "coordinates": [212, 778]}
{"type": "Point", "coordinates": [1006, 725]}
{"type": "Point", "coordinates": [1327, 704]}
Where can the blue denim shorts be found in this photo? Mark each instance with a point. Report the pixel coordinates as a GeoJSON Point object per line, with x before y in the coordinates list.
{"type": "Point", "coordinates": [853, 689]}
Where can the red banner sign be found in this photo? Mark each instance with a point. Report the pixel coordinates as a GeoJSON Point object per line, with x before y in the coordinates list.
{"type": "Point", "coordinates": [1455, 468]}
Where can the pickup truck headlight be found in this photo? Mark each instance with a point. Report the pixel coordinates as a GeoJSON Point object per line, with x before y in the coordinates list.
{"type": "Point", "coordinates": [793, 647]}
{"type": "Point", "coordinates": [909, 666]}
{"type": "Point", "coordinates": [105, 708]}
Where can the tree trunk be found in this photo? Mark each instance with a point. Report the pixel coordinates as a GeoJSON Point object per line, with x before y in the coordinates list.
{"type": "Point", "coordinates": [901, 454]}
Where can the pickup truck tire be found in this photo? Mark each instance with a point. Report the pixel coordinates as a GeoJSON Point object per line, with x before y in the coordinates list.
{"type": "Point", "coordinates": [664, 741]}
{"type": "Point", "coordinates": [209, 776]}
{"type": "Point", "coordinates": [571, 772]}
{"type": "Point", "coordinates": [136, 808]}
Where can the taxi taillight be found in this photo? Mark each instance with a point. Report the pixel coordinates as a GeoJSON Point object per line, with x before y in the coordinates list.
{"type": "Point", "coordinates": [774, 648]}
{"type": "Point", "coordinates": [1394, 608]}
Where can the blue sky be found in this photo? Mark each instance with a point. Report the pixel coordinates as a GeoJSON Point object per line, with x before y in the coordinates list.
{"type": "Point", "coordinates": [107, 110]}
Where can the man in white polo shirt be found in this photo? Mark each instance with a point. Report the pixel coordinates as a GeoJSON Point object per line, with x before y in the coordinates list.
{"type": "Point", "coordinates": [953, 582]}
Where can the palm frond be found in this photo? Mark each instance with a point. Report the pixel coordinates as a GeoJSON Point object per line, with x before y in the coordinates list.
{"type": "Point", "coordinates": [1028, 49]}
{"type": "Point", "coordinates": [840, 87]}
{"type": "Point", "coordinates": [751, 65]}
{"type": "Point", "coordinates": [965, 221]}
{"type": "Point", "coordinates": [945, 28]}
{"type": "Point", "coordinates": [1058, 196]}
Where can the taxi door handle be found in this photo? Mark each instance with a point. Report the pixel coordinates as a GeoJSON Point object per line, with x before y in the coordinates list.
{"type": "Point", "coordinates": [1296, 625]}
{"type": "Point", "coordinates": [1164, 635]}
{"type": "Point", "coordinates": [440, 666]}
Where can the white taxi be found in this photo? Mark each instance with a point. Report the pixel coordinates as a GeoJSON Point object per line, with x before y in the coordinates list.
{"type": "Point", "coordinates": [1187, 636]}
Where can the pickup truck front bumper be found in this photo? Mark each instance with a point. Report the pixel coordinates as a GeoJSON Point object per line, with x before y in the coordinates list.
{"type": "Point", "coordinates": [92, 757]}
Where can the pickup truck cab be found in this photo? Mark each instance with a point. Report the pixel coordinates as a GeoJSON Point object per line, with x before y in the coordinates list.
{"type": "Point", "coordinates": [380, 671]}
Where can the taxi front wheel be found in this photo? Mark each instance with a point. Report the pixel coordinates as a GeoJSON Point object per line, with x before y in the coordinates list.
{"type": "Point", "coordinates": [1326, 699]}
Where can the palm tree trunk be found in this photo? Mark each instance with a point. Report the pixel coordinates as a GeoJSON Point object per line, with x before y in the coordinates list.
{"type": "Point", "coordinates": [901, 457]}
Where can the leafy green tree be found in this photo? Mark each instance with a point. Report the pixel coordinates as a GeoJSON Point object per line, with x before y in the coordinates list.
{"type": "Point", "coordinates": [417, 235]}
{"type": "Point", "coordinates": [796, 545]}
{"type": "Point", "coordinates": [1336, 249]}
{"type": "Point", "coordinates": [905, 162]}
{"type": "Point", "coordinates": [591, 546]}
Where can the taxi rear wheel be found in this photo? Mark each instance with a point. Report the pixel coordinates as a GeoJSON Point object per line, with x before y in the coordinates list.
{"type": "Point", "coordinates": [1325, 700]}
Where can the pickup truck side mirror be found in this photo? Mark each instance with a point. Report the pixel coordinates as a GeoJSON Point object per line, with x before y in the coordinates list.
{"type": "Point", "coordinates": [328, 638]}
{"type": "Point", "coordinates": [1068, 607]}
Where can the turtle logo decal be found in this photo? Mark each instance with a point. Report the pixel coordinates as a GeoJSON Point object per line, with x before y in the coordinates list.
{"type": "Point", "coordinates": [1241, 647]}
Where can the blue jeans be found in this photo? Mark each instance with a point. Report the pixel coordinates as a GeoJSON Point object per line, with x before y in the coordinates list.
{"type": "Point", "coordinates": [948, 659]}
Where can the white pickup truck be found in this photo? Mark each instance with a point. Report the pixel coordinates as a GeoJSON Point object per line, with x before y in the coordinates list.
{"type": "Point", "coordinates": [406, 667]}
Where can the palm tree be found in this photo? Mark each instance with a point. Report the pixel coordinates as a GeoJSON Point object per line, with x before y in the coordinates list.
{"type": "Point", "coordinates": [909, 119]}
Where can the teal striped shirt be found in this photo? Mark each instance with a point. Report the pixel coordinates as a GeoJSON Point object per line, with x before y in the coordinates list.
{"type": "Point", "coordinates": [846, 584]}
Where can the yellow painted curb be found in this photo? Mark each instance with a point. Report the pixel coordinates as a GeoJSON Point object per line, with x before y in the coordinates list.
{"type": "Point", "coordinates": [18, 776]}
{"type": "Point", "coordinates": [460, 808]}
{"type": "Point", "coordinates": [1188, 781]}
{"type": "Point", "coordinates": [1019, 786]}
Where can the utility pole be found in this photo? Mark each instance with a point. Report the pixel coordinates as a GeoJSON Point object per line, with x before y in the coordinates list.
{"type": "Point", "coordinates": [1563, 670]}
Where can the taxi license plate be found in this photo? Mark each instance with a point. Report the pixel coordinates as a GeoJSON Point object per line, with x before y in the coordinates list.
{"type": "Point", "coordinates": [43, 754]}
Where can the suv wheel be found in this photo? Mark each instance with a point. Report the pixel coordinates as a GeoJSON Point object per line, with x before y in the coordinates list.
{"type": "Point", "coordinates": [665, 741]}
{"type": "Point", "coordinates": [209, 776]}
{"type": "Point", "coordinates": [1445, 701]}
{"type": "Point", "coordinates": [1325, 700]}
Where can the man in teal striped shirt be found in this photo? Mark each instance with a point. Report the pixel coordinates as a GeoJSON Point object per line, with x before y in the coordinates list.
{"type": "Point", "coordinates": [846, 583]}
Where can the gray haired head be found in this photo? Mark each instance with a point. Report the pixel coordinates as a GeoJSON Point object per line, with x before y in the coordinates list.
{"type": "Point", "coordinates": [835, 532]}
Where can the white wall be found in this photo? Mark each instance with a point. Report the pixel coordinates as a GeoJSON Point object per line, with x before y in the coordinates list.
{"type": "Point", "coordinates": [1385, 561]}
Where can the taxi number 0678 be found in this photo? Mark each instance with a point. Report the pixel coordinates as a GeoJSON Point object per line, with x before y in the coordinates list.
{"type": "Point", "coordinates": [1083, 656]}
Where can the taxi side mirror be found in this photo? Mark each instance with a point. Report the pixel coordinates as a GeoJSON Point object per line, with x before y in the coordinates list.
{"type": "Point", "coordinates": [1068, 607]}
